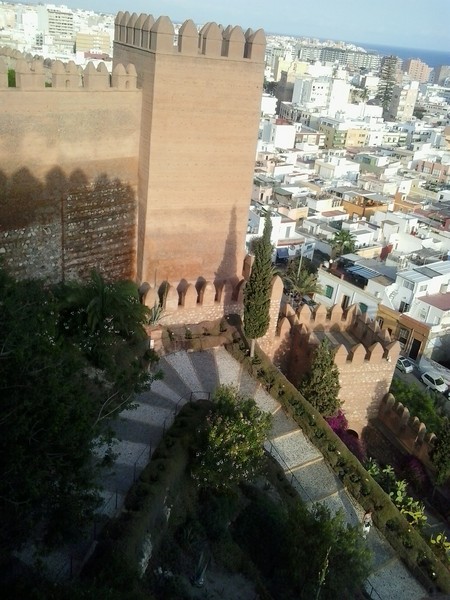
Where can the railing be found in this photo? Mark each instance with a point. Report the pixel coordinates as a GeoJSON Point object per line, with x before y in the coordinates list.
{"type": "Point", "coordinates": [371, 591]}
{"type": "Point", "coordinates": [270, 449]}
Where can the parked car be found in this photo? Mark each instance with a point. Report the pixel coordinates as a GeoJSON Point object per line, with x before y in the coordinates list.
{"type": "Point", "coordinates": [404, 365]}
{"type": "Point", "coordinates": [434, 382]}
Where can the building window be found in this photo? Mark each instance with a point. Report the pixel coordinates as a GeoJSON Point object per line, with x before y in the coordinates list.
{"type": "Point", "coordinates": [403, 336]}
{"type": "Point", "coordinates": [380, 322]}
{"type": "Point", "coordinates": [404, 307]}
{"type": "Point", "coordinates": [345, 302]}
{"type": "Point", "coordinates": [363, 307]}
{"type": "Point", "coordinates": [423, 288]}
{"type": "Point", "coordinates": [408, 285]}
{"type": "Point", "coordinates": [328, 291]}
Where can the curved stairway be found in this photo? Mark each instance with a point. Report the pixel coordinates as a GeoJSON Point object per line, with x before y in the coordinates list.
{"type": "Point", "coordinates": [196, 374]}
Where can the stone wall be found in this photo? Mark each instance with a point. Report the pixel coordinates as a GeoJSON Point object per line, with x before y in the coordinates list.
{"type": "Point", "coordinates": [408, 431]}
{"type": "Point", "coordinates": [364, 354]}
{"type": "Point", "coordinates": [187, 303]}
{"type": "Point", "coordinates": [68, 170]}
{"type": "Point", "coordinates": [175, 125]}
{"type": "Point", "coordinates": [200, 116]}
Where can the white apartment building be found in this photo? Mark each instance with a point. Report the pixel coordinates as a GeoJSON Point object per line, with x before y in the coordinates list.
{"type": "Point", "coordinates": [336, 167]}
{"type": "Point", "coordinates": [287, 242]}
{"type": "Point", "coordinates": [433, 278]}
{"type": "Point", "coordinates": [279, 135]}
{"type": "Point", "coordinates": [356, 280]}
{"type": "Point", "coordinates": [403, 102]}
{"type": "Point", "coordinates": [434, 311]}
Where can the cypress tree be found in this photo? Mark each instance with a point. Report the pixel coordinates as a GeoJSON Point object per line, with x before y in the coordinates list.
{"type": "Point", "coordinates": [321, 385]}
{"type": "Point", "coordinates": [257, 289]}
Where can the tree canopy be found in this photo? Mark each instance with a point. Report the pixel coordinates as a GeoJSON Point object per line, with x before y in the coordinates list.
{"type": "Point", "coordinates": [312, 553]}
{"type": "Point", "coordinates": [231, 444]}
{"type": "Point", "coordinates": [440, 454]}
{"type": "Point", "coordinates": [320, 386]}
{"type": "Point", "coordinates": [55, 399]}
{"type": "Point", "coordinates": [257, 289]}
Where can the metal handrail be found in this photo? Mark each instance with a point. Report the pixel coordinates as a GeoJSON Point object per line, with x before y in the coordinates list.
{"type": "Point", "coordinates": [280, 460]}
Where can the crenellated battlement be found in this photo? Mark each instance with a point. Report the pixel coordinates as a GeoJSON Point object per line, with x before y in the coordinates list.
{"type": "Point", "coordinates": [187, 303]}
{"type": "Point", "coordinates": [212, 40]}
{"type": "Point", "coordinates": [408, 430]}
{"type": "Point", "coordinates": [352, 335]}
{"type": "Point", "coordinates": [34, 73]}
{"type": "Point", "coordinates": [364, 355]}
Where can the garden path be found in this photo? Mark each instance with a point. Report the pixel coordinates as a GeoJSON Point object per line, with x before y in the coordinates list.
{"type": "Point", "coordinates": [199, 373]}
{"type": "Point", "coordinates": [195, 375]}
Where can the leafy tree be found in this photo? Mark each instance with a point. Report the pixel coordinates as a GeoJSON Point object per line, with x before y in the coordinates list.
{"type": "Point", "coordinates": [420, 403]}
{"type": "Point", "coordinates": [53, 410]}
{"type": "Point", "coordinates": [313, 554]}
{"type": "Point", "coordinates": [11, 78]}
{"type": "Point", "coordinates": [333, 557]}
{"type": "Point", "coordinates": [270, 86]}
{"type": "Point", "coordinates": [257, 289]}
{"type": "Point", "coordinates": [106, 321]}
{"type": "Point", "coordinates": [46, 423]}
{"type": "Point", "coordinates": [320, 386]}
{"type": "Point", "coordinates": [343, 241]}
{"type": "Point", "coordinates": [440, 454]}
{"type": "Point", "coordinates": [231, 444]}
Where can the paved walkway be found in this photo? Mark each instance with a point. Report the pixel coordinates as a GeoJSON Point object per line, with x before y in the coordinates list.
{"type": "Point", "coordinates": [194, 374]}
{"type": "Point", "coordinates": [199, 373]}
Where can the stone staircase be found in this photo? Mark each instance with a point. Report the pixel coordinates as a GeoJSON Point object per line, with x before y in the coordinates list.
{"type": "Point", "coordinates": [195, 375]}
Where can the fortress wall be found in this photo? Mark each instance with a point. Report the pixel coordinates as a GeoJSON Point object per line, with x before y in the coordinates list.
{"type": "Point", "coordinates": [407, 430]}
{"type": "Point", "coordinates": [200, 118]}
{"type": "Point", "coordinates": [68, 179]}
{"type": "Point", "coordinates": [365, 356]}
{"type": "Point", "coordinates": [94, 131]}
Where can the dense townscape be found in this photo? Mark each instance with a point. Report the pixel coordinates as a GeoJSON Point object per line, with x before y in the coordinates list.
{"type": "Point", "coordinates": [225, 313]}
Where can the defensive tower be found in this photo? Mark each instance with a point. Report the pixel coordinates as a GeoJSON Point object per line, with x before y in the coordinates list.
{"type": "Point", "coordinates": [200, 111]}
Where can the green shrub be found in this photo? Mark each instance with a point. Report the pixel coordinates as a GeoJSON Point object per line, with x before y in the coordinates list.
{"type": "Point", "coordinates": [370, 494]}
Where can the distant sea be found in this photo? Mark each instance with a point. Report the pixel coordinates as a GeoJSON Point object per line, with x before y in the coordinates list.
{"type": "Point", "coordinates": [433, 58]}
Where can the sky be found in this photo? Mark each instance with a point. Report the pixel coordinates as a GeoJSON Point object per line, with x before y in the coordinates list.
{"type": "Point", "coordinates": [423, 24]}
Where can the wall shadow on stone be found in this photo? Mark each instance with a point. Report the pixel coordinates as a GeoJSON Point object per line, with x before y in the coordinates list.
{"type": "Point", "coordinates": [228, 264]}
{"type": "Point", "coordinates": [66, 225]}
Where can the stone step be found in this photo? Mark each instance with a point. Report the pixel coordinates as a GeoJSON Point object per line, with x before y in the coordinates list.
{"type": "Point", "coordinates": [228, 368]}
{"type": "Point", "coordinates": [292, 450]}
{"type": "Point", "coordinates": [316, 481]}
{"type": "Point", "coordinates": [247, 385]}
{"type": "Point", "coordinates": [265, 401]}
{"type": "Point", "coordinates": [132, 456]}
{"type": "Point", "coordinates": [394, 580]}
{"type": "Point", "coordinates": [163, 402]}
{"type": "Point", "coordinates": [182, 365]}
{"type": "Point", "coordinates": [281, 423]}
{"type": "Point", "coordinates": [204, 365]}
{"type": "Point", "coordinates": [161, 391]}
{"type": "Point", "coordinates": [172, 380]}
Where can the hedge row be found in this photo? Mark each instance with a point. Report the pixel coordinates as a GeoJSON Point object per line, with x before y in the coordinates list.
{"type": "Point", "coordinates": [407, 542]}
{"type": "Point", "coordinates": [125, 539]}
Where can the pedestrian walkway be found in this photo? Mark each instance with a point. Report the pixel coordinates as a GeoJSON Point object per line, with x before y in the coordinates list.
{"type": "Point", "coordinates": [195, 375]}
{"type": "Point", "coordinates": [199, 373]}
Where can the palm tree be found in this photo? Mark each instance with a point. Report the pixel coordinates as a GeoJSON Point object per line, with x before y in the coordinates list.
{"type": "Point", "coordinates": [303, 283]}
{"type": "Point", "coordinates": [343, 241]}
{"type": "Point", "coordinates": [101, 313]}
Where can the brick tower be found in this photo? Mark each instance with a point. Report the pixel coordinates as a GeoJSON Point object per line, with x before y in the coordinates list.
{"type": "Point", "coordinates": [200, 112]}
